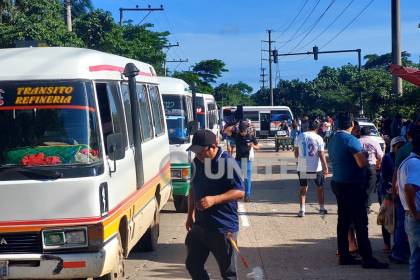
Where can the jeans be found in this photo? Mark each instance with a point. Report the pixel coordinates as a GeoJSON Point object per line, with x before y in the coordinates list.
{"type": "Point", "coordinates": [351, 202]}
{"type": "Point", "coordinates": [248, 174]}
{"type": "Point", "coordinates": [200, 242]}
{"type": "Point", "coordinates": [400, 249]}
{"type": "Point", "coordinates": [412, 227]}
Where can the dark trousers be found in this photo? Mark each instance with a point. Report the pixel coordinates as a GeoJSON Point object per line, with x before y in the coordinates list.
{"type": "Point", "coordinates": [351, 201]}
{"type": "Point", "coordinates": [200, 243]}
{"type": "Point", "coordinates": [385, 234]}
{"type": "Point", "coordinates": [370, 184]}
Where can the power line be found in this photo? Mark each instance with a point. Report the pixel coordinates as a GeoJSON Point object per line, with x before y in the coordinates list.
{"type": "Point", "coordinates": [331, 24]}
{"type": "Point", "coordinates": [294, 19]}
{"type": "Point", "coordinates": [300, 27]}
{"type": "Point", "coordinates": [314, 25]}
{"type": "Point", "coordinates": [347, 26]}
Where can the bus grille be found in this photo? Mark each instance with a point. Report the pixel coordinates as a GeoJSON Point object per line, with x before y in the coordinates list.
{"type": "Point", "coordinates": [20, 243]}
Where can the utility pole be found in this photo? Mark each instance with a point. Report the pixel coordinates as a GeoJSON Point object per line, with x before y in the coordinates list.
{"type": "Point", "coordinates": [171, 61]}
{"type": "Point", "coordinates": [270, 67]}
{"type": "Point", "coordinates": [396, 45]}
{"type": "Point", "coordinates": [68, 9]}
{"type": "Point", "coordinates": [137, 9]}
{"type": "Point", "coordinates": [164, 62]}
{"type": "Point", "coordinates": [263, 77]}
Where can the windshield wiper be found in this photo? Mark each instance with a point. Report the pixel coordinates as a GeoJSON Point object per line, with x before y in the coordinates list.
{"type": "Point", "coordinates": [31, 173]}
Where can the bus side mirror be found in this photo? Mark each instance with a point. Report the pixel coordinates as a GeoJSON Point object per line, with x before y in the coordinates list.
{"type": "Point", "coordinates": [115, 146]}
{"type": "Point", "coordinates": [192, 127]}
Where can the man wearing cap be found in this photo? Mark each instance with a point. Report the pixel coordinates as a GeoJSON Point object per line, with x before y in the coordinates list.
{"type": "Point", "coordinates": [408, 181]}
{"type": "Point", "coordinates": [245, 141]}
{"type": "Point", "coordinates": [212, 207]}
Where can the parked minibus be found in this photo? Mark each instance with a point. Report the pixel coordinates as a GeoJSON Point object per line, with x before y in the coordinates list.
{"type": "Point", "coordinates": [177, 100]}
{"type": "Point", "coordinates": [265, 119]}
{"type": "Point", "coordinates": [84, 162]}
{"type": "Point", "coordinates": [207, 112]}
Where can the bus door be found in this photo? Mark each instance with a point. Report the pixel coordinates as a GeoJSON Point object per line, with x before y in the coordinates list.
{"type": "Point", "coordinates": [265, 120]}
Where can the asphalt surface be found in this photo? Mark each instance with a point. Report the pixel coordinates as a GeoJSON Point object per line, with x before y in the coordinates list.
{"type": "Point", "coordinates": [272, 238]}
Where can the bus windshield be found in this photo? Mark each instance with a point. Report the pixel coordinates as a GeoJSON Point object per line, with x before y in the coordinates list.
{"type": "Point", "coordinates": [48, 123]}
{"type": "Point", "coordinates": [176, 118]}
{"type": "Point", "coordinates": [281, 115]}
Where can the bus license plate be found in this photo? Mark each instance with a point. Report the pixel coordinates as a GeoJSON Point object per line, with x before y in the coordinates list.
{"type": "Point", "coordinates": [4, 265]}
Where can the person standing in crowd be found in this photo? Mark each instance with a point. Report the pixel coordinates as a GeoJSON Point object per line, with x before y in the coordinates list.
{"type": "Point", "coordinates": [212, 208]}
{"type": "Point", "coordinates": [408, 181]}
{"type": "Point", "coordinates": [396, 126]}
{"type": "Point", "coordinates": [400, 238]}
{"type": "Point", "coordinates": [294, 132]}
{"type": "Point", "coordinates": [374, 151]}
{"type": "Point", "coordinates": [348, 160]}
{"type": "Point", "coordinates": [309, 152]}
{"type": "Point", "coordinates": [305, 124]}
{"type": "Point", "coordinates": [245, 141]}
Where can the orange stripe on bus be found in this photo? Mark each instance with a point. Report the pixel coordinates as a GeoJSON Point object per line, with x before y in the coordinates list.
{"type": "Point", "coordinates": [74, 264]}
{"type": "Point", "coordinates": [76, 107]}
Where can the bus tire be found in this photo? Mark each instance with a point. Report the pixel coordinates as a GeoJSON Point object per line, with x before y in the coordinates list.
{"type": "Point", "coordinates": [117, 272]}
{"type": "Point", "coordinates": [149, 240]}
{"type": "Point", "coordinates": [181, 203]}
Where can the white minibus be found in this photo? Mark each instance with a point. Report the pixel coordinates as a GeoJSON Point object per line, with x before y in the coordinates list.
{"type": "Point", "coordinates": [84, 162]}
{"type": "Point", "coordinates": [265, 119]}
{"type": "Point", "coordinates": [177, 100]}
{"type": "Point", "coordinates": [207, 113]}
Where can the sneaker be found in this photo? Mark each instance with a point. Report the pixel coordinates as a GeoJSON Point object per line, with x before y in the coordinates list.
{"type": "Point", "coordinates": [374, 263]}
{"type": "Point", "coordinates": [350, 260]}
{"type": "Point", "coordinates": [301, 214]}
{"type": "Point", "coordinates": [323, 211]}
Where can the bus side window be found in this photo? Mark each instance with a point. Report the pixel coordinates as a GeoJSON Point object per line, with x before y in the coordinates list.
{"type": "Point", "coordinates": [145, 115]}
{"type": "Point", "coordinates": [110, 109]}
{"type": "Point", "coordinates": [155, 103]}
{"type": "Point", "coordinates": [189, 108]}
{"type": "Point", "coordinates": [127, 108]}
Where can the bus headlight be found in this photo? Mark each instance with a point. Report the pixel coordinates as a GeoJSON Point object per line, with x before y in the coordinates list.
{"type": "Point", "coordinates": [64, 238]}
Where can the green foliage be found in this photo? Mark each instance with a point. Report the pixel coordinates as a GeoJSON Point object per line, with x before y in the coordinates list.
{"type": "Point", "coordinates": [383, 61]}
{"type": "Point", "coordinates": [210, 70]}
{"type": "Point", "coordinates": [233, 94]}
{"type": "Point", "coordinates": [37, 20]}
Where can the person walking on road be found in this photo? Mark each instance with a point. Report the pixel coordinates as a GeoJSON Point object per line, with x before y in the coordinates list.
{"type": "Point", "coordinates": [374, 151]}
{"type": "Point", "coordinates": [246, 142]}
{"type": "Point", "coordinates": [348, 161]}
{"type": "Point", "coordinates": [408, 181]}
{"type": "Point", "coordinates": [309, 152]}
{"type": "Point", "coordinates": [212, 208]}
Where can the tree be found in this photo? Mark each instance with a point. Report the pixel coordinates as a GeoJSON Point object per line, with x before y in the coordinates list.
{"type": "Point", "coordinates": [233, 94]}
{"type": "Point", "coordinates": [383, 61]}
{"type": "Point", "coordinates": [210, 70]}
{"type": "Point", "coordinates": [40, 20]}
{"type": "Point", "coordinates": [81, 7]}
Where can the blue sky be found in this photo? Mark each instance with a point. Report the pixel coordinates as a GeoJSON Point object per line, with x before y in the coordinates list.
{"type": "Point", "coordinates": [232, 31]}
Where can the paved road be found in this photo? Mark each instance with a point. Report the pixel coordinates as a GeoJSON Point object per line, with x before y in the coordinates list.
{"type": "Point", "coordinates": [271, 236]}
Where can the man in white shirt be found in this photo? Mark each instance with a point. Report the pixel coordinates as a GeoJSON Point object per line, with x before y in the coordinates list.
{"type": "Point", "coordinates": [309, 151]}
{"type": "Point", "coordinates": [408, 181]}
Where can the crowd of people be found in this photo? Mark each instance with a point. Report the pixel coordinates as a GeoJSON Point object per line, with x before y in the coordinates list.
{"type": "Point", "coordinates": [360, 167]}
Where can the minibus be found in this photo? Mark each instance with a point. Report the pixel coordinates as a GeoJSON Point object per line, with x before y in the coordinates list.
{"type": "Point", "coordinates": [207, 113]}
{"type": "Point", "coordinates": [84, 162]}
{"type": "Point", "coordinates": [177, 101]}
{"type": "Point", "coordinates": [265, 119]}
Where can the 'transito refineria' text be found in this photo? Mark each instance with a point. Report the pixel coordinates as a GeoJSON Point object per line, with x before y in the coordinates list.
{"type": "Point", "coordinates": [43, 95]}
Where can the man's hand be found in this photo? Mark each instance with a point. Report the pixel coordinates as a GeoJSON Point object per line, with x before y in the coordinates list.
{"type": "Point", "coordinates": [189, 223]}
{"type": "Point", "coordinates": [206, 202]}
{"type": "Point", "coordinates": [325, 171]}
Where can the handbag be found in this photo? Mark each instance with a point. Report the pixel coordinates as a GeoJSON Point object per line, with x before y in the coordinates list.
{"type": "Point", "coordinates": [386, 215]}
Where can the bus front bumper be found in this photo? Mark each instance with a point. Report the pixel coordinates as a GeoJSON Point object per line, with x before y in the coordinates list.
{"type": "Point", "coordinates": [61, 266]}
{"type": "Point", "coordinates": [180, 187]}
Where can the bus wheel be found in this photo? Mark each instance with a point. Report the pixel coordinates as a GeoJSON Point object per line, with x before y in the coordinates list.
{"type": "Point", "coordinates": [118, 269]}
{"type": "Point", "coordinates": [149, 241]}
{"type": "Point", "coordinates": [181, 203]}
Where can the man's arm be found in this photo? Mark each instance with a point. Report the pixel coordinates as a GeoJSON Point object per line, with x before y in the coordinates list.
{"type": "Point", "coordinates": [228, 130]}
{"type": "Point", "coordinates": [190, 215]}
{"type": "Point", "coordinates": [296, 151]}
{"type": "Point", "coordinates": [410, 196]}
{"type": "Point", "coordinates": [361, 159]}
{"type": "Point", "coordinates": [210, 201]}
{"type": "Point", "coordinates": [323, 162]}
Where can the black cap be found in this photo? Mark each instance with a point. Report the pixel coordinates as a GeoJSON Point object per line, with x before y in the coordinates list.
{"type": "Point", "coordinates": [201, 139]}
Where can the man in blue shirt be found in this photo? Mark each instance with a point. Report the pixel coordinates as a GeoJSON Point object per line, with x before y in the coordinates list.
{"type": "Point", "coordinates": [212, 207]}
{"type": "Point", "coordinates": [348, 164]}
